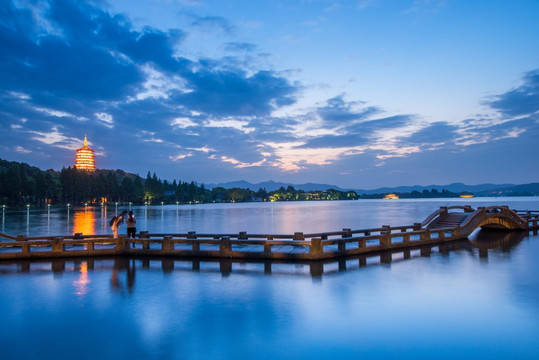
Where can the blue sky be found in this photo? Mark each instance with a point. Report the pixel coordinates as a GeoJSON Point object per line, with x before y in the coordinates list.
{"type": "Point", "coordinates": [359, 94]}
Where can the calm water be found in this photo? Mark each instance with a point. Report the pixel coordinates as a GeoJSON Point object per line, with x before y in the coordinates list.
{"type": "Point", "coordinates": [477, 298]}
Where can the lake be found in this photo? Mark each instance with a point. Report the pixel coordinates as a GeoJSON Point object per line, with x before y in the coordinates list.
{"type": "Point", "coordinates": [477, 298]}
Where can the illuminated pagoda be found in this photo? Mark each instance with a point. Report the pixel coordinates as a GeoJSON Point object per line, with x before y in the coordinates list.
{"type": "Point", "coordinates": [85, 158]}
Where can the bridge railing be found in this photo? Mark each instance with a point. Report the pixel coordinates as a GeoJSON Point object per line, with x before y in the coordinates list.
{"type": "Point", "coordinates": [531, 216]}
{"type": "Point", "coordinates": [298, 246]}
{"type": "Point", "coordinates": [312, 246]}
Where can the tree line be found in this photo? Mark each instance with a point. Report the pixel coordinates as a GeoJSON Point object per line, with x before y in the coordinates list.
{"type": "Point", "coordinates": [22, 184]}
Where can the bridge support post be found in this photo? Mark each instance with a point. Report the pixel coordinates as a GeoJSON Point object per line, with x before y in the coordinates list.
{"type": "Point", "coordinates": [316, 269]}
{"type": "Point", "coordinates": [425, 251]}
{"type": "Point", "coordinates": [385, 258]}
{"type": "Point", "coordinates": [58, 266]}
{"type": "Point", "coordinates": [167, 265]}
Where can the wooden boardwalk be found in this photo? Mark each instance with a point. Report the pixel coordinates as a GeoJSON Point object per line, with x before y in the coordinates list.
{"type": "Point", "coordinates": [444, 225]}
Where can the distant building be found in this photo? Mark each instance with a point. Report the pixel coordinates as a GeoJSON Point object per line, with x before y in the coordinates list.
{"type": "Point", "coordinates": [391, 197]}
{"type": "Point", "coordinates": [85, 158]}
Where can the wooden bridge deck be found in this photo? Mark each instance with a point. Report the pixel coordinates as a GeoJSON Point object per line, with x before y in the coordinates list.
{"type": "Point", "coordinates": [445, 224]}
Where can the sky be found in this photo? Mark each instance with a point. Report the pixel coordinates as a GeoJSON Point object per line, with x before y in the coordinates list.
{"type": "Point", "coordinates": [354, 93]}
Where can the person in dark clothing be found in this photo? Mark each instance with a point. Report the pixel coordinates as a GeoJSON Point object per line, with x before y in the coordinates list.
{"type": "Point", "coordinates": [131, 222]}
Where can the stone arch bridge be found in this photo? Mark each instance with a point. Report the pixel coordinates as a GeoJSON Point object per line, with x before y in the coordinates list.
{"type": "Point", "coordinates": [467, 219]}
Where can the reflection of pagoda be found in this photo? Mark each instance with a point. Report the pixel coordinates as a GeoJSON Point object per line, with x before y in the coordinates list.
{"type": "Point", "coordinates": [85, 158]}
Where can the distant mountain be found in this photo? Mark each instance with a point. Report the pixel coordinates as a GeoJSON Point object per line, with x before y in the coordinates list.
{"type": "Point", "coordinates": [478, 190]}
{"type": "Point", "coordinates": [273, 185]}
{"type": "Point", "coordinates": [455, 187]}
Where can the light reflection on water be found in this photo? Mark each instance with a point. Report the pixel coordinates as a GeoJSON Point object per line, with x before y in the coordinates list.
{"type": "Point", "coordinates": [255, 218]}
{"type": "Point", "coordinates": [477, 298]}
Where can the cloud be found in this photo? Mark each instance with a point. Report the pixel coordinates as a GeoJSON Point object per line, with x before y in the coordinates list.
{"type": "Point", "coordinates": [183, 122]}
{"type": "Point", "coordinates": [213, 23]}
{"type": "Point", "coordinates": [234, 93]}
{"type": "Point", "coordinates": [20, 149]}
{"type": "Point", "coordinates": [521, 101]}
{"type": "Point", "coordinates": [241, 125]}
{"type": "Point", "coordinates": [55, 138]}
{"type": "Point", "coordinates": [239, 47]}
{"type": "Point", "coordinates": [239, 164]}
{"type": "Point", "coordinates": [180, 156]}
{"type": "Point", "coordinates": [105, 118]}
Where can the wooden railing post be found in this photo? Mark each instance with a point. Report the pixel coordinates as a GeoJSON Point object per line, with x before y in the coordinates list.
{"type": "Point", "coordinates": [224, 246]}
{"type": "Point", "coordinates": [362, 243]}
{"type": "Point", "coordinates": [144, 235]}
{"type": "Point", "coordinates": [121, 243]}
{"type": "Point", "coordinates": [191, 235]}
{"type": "Point", "coordinates": [58, 244]}
{"type": "Point", "coordinates": [425, 235]}
{"type": "Point", "coordinates": [267, 246]}
{"type": "Point", "coordinates": [347, 233]}
{"type": "Point", "coordinates": [167, 245]}
{"type": "Point", "coordinates": [299, 236]}
{"type": "Point", "coordinates": [316, 247]}
{"type": "Point", "coordinates": [385, 238]}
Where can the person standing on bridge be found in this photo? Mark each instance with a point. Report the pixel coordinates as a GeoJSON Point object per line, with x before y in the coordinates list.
{"type": "Point", "coordinates": [115, 223]}
{"type": "Point", "coordinates": [131, 222]}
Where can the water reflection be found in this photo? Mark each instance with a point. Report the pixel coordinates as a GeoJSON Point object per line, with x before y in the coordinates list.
{"type": "Point", "coordinates": [486, 240]}
{"type": "Point", "coordinates": [81, 285]}
{"type": "Point", "coordinates": [84, 222]}
{"type": "Point", "coordinates": [123, 269]}
{"type": "Point", "coordinates": [120, 266]}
